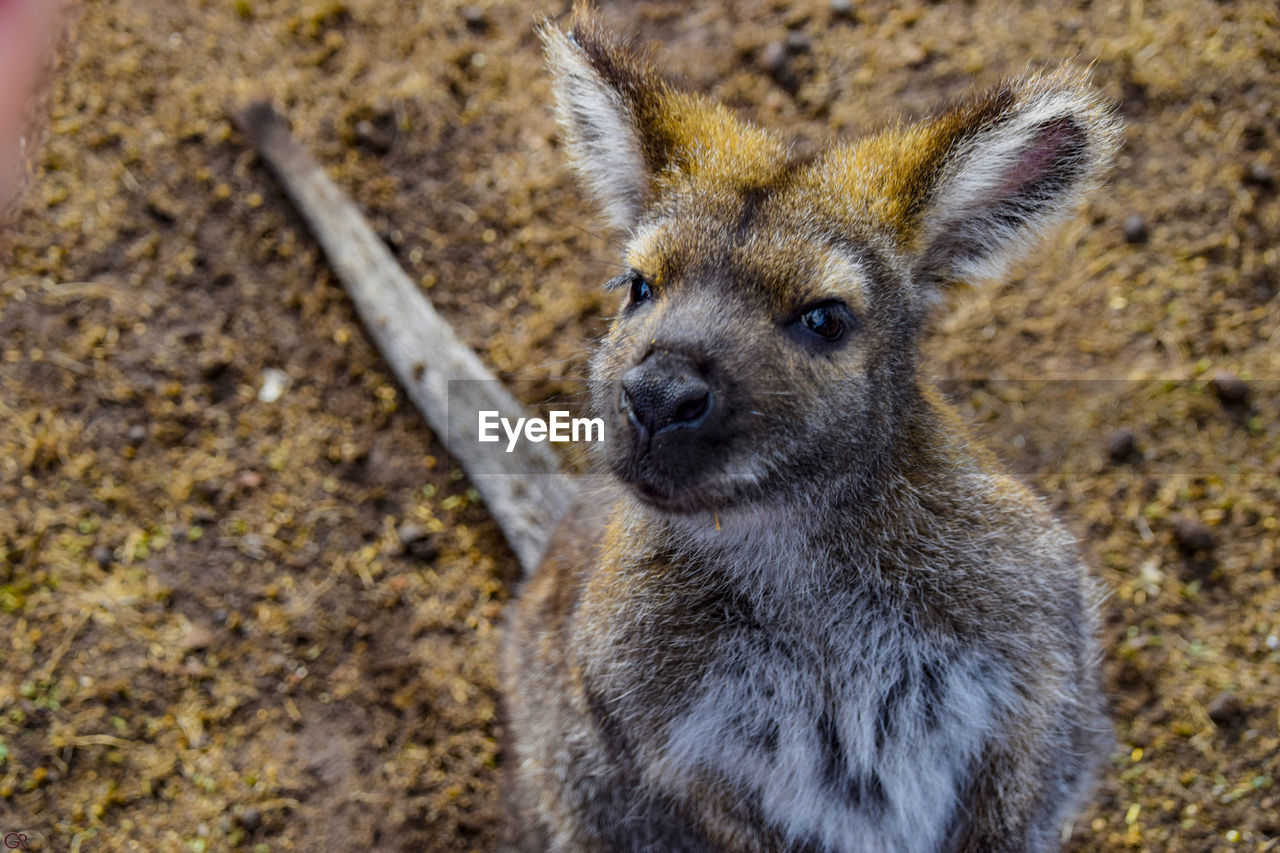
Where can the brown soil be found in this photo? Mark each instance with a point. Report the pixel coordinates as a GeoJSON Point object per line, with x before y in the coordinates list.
{"type": "Point", "coordinates": [244, 625]}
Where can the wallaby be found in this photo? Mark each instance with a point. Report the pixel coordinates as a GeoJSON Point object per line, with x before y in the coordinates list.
{"type": "Point", "coordinates": [803, 610]}
{"type": "Point", "coordinates": [800, 609]}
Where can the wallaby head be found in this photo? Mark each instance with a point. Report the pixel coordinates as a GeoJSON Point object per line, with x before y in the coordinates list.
{"type": "Point", "coordinates": [771, 301]}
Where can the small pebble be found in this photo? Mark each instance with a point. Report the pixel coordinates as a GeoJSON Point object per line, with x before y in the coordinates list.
{"type": "Point", "coordinates": [196, 639]}
{"type": "Point", "coordinates": [1122, 445]}
{"type": "Point", "coordinates": [1227, 710]}
{"type": "Point", "coordinates": [369, 136]}
{"type": "Point", "coordinates": [136, 434]}
{"type": "Point", "coordinates": [163, 208]}
{"type": "Point", "coordinates": [1135, 229]}
{"type": "Point", "coordinates": [1260, 175]}
{"type": "Point", "coordinates": [1265, 283]}
{"type": "Point", "coordinates": [1231, 389]}
{"type": "Point", "coordinates": [798, 42]}
{"type": "Point", "coordinates": [1192, 535]}
{"type": "Point", "coordinates": [475, 19]}
{"type": "Point", "coordinates": [774, 56]}
{"type": "Point", "coordinates": [274, 383]}
{"type": "Point", "coordinates": [425, 550]}
{"type": "Point", "coordinates": [250, 819]}
{"type": "Point", "coordinates": [842, 8]}
{"type": "Point", "coordinates": [104, 556]}
{"type": "Point", "coordinates": [1273, 642]}
{"type": "Point", "coordinates": [384, 110]}
{"type": "Point", "coordinates": [417, 542]}
{"type": "Point", "coordinates": [248, 479]}
{"type": "Point", "coordinates": [253, 545]}
{"type": "Point", "coordinates": [410, 533]}
{"type": "Point", "coordinates": [912, 54]}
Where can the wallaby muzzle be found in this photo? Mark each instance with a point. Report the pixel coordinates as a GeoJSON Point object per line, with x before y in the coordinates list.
{"type": "Point", "coordinates": [671, 420]}
{"type": "Point", "coordinates": [665, 392]}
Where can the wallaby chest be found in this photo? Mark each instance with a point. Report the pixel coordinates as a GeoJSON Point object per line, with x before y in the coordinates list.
{"type": "Point", "coordinates": [842, 722]}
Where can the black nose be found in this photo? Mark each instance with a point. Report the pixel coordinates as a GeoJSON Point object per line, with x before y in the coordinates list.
{"type": "Point", "coordinates": [665, 391]}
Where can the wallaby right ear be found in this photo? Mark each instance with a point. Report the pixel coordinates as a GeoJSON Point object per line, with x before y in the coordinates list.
{"type": "Point", "coordinates": [628, 129]}
{"type": "Point", "coordinates": [1011, 164]}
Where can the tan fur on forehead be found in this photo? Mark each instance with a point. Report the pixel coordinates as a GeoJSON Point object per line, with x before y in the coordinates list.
{"type": "Point", "coordinates": [794, 269]}
{"type": "Point", "coordinates": [778, 259]}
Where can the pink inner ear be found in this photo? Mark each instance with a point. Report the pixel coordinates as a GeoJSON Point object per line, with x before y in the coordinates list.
{"type": "Point", "coordinates": [1048, 162]}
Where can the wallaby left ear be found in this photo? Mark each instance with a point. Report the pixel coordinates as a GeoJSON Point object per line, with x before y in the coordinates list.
{"type": "Point", "coordinates": [1012, 164]}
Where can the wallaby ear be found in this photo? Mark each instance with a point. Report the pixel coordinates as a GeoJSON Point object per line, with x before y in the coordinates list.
{"type": "Point", "coordinates": [628, 130]}
{"type": "Point", "coordinates": [597, 83]}
{"type": "Point", "coordinates": [1006, 168]}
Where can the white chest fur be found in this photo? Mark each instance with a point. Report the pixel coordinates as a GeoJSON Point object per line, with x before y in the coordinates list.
{"type": "Point", "coordinates": [860, 742]}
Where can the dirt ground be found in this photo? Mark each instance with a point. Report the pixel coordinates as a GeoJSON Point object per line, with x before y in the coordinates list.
{"type": "Point", "coordinates": [233, 623]}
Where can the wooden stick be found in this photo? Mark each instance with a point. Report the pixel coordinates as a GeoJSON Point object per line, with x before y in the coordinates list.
{"type": "Point", "coordinates": [525, 489]}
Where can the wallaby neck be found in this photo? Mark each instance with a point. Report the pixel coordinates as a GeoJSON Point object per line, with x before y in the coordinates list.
{"type": "Point", "coordinates": [808, 542]}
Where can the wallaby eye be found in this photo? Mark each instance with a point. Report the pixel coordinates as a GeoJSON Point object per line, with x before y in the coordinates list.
{"type": "Point", "coordinates": [641, 290]}
{"type": "Point", "coordinates": [826, 321]}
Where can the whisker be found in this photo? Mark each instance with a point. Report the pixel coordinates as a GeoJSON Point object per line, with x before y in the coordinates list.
{"type": "Point", "coordinates": [543, 377]}
{"type": "Point", "coordinates": [600, 263]}
{"type": "Point", "coordinates": [587, 231]}
{"type": "Point", "coordinates": [548, 363]}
